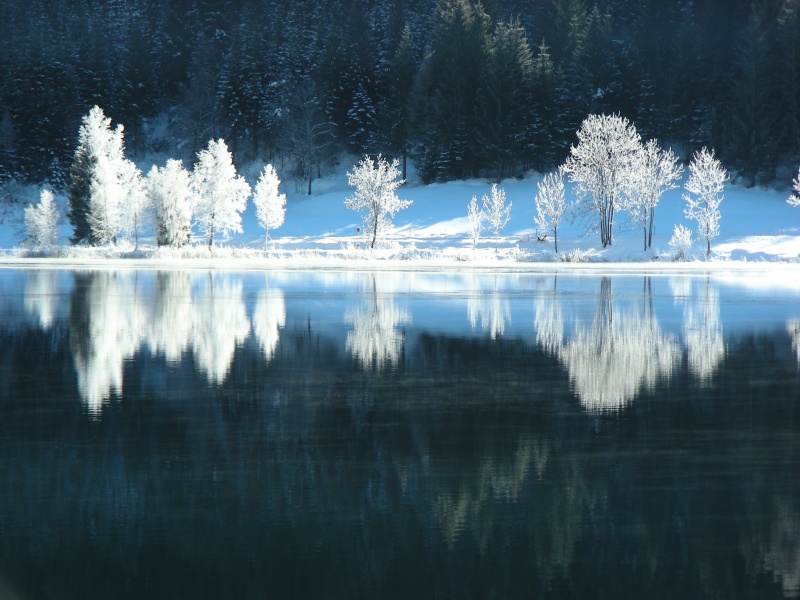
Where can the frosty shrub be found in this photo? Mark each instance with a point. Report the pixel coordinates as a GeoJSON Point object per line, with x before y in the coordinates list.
{"type": "Point", "coordinates": [375, 183]}
{"type": "Point", "coordinates": [41, 223]}
{"type": "Point", "coordinates": [497, 212]}
{"type": "Point", "coordinates": [681, 241]}
{"type": "Point", "coordinates": [475, 217]}
{"type": "Point", "coordinates": [269, 202]}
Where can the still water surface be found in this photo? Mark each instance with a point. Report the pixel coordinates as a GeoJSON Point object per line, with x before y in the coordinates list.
{"type": "Point", "coordinates": [188, 434]}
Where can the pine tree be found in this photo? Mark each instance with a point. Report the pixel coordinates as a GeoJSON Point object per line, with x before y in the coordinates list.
{"type": "Point", "coordinates": [221, 194]}
{"type": "Point", "coordinates": [41, 222]}
{"type": "Point", "coordinates": [753, 136]}
{"type": "Point", "coordinates": [506, 84]}
{"type": "Point", "coordinates": [170, 193]}
{"type": "Point", "coordinates": [101, 181]}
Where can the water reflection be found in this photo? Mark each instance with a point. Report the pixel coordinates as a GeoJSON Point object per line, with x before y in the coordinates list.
{"type": "Point", "coordinates": [615, 356]}
{"type": "Point", "coordinates": [269, 317]}
{"type": "Point", "coordinates": [793, 328]}
{"type": "Point", "coordinates": [559, 438]}
{"type": "Point", "coordinates": [107, 326]}
{"type": "Point", "coordinates": [489, 306]}
{"type": "Point", "coordinates": [376, 339]}
{"type": "Point", "coordinates": [702, 330]}
{"type": "Point", "coordinates": [219, 325]}
{"type": "Point", "coordinates": [612, 346]}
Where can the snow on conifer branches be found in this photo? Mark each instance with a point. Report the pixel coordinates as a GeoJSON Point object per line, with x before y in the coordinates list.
{"type": "Point", "coordinates": [794, 199]}
{"type": "Point", "coordinates": [375, 183]}
{"type": "Point", "coordinates": [41, 222]}
{"type": "Point", "coordinates": [706, 183]}
{"type": "Point", "coordinates": [105, 192]}
{"type": "Point", "coordinates": [269, 202]}
{"type": "Point", "coordinates": [171, 196]}
{"type": "Point", "coordinates": [221, 194]}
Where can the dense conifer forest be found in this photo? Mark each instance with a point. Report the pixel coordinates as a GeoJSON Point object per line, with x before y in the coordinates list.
{"type": "Point", "coordinates": [460, 88]}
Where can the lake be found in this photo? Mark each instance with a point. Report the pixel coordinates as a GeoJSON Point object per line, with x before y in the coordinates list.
{"type": "Point", "coordinates": [207, 434]}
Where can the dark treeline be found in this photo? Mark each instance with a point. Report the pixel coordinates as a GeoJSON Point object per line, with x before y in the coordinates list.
{"type": "Point", "coordinates": [460, 88]}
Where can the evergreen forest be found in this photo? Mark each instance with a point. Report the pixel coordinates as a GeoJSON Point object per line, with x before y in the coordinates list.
{"type": "Point", "coordinates": [459, 88]}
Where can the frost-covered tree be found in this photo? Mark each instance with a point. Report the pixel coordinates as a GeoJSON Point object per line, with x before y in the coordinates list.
{"type": "Point", "coordinates": [170, 193]}
{"type": "Point", "coordinates": [600, 167]}
{"type": "Point", "coordinates": [706, 183]}
{"type": "Point", "coordinates": [794, 199]}
{"type": "Point", "coordinates": [97, 180]}
{"type": "Point", "coordinates": [375, 183]}
{"type": "Point", "coordinates": [655, 171]}
{"type": "Point", "coordinates": [475, 218]}
{"type": "Point", "coordinates": [269, 202]}
{"type": "Point", "coordinates": [135, 205]}
{"type": "Point", "coordinates": [551, 203]}
{"type": "Point", "coordinates": [105, 194]}
{"type": "Point", "coordinates": [41, 222]}
{"type": "Point", "coordinates": [221, 194]}
{"type": "Point", "coordinates": [497, 212]}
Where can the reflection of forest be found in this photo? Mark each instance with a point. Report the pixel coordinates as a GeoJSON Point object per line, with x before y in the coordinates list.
{"type": "Point", "coordinates": [467, 470]}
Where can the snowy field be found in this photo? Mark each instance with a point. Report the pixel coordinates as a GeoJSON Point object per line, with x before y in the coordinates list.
{"type": "Point", "coordinates": [758, 230]}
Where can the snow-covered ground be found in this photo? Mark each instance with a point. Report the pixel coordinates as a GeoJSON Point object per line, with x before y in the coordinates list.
{"type": "Point", "coordinates": [757, 225]}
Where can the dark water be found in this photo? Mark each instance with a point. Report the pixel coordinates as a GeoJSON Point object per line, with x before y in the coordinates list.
{"type": "Point", "coordinates": [335, 435]}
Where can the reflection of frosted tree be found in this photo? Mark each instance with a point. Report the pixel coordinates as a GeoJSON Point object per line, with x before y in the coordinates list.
{"type": "Point", "coordinates": [268, 317]}
{"type": "Point", "coordinates": [793, 327]}
{"type": "Point", "coordinates": [613, 359]}
{"type": "Point", "coordinates": [171, 321]}
{"type": "Point", "coordinates": [40, 298]}
{"type": "Point", "coordinates": [548, 320]}
{"type": "Point", "coordinates": [220, 324]}
{"type": "Point", "coordinates": [110, 331]}
{"type": "Point", "coordinates": [492, 309]}
{"type": "Point", "coordinates": [375, 339]}
{"type": "Point", "coordinates": [702, 332]}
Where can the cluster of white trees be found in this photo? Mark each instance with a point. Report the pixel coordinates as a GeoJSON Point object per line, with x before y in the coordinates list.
{"type": "Point", "coordinates": [109, 197]}
{"type": "Point", "coordinates": [614, 171]}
